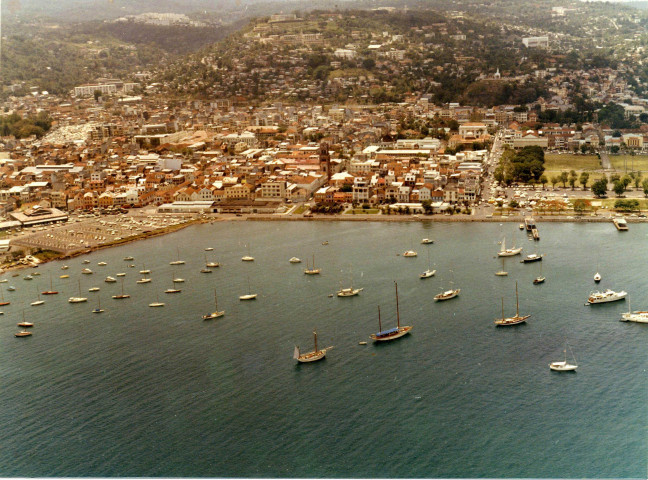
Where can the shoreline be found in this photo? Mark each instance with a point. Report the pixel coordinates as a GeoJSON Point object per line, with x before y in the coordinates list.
{"type": "Point", "coordinates": [458, 218]}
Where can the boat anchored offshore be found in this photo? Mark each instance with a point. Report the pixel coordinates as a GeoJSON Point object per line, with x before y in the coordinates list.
{"type": "Point", "coordinates": [534, 257]}
{"type": "Point", "coordinates": [215, 313]}
{"type": "Point", "coordinates": [517, 319]}
{"type": "Point", "coordinates": [348, 292]}
{"type": "Point", "coordinates": [564, 366]}
{"type": "Point", "coordinates": [508, 252]}
{"type": "Point", "coordinates": [313, 356]}
{"type": "Point", "coordinates": [606, 296]}
{"type": "Point", "coordinates": [410, 253]}
{"type": "Point", "coordinates": [312, 271]}
{"type": "Point", "coordinates": [447, 295]}
{"type": "Point", "coordinates": [392, 333]}
{"type": "Point", "coordinates": [427, 241]}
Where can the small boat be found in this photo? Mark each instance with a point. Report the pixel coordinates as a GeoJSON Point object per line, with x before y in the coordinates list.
{"type": "Point", "coordinates": [24, 323]}
{"type": "Point", "coordinates": [144, 270]}
{"type": "Point", "coordinates": [178, 280]}
{"type": "Point", "coordinates": [51, 291]}
{"type": "Point", "coordinates": [427, 274]}
{"type": "Point", "coordinates": [64, 267]}
{"type": "Point", "coordinates": [11, 288]}
{"type": "Point", "coordinates": [86, 261]}
{"type": "Point", "coordinates": [597, 277]}
{"type": "Point", "coordinates": [157, 303]}
{"type": "Point", "coordinates": [248, 257]}
{"type": "Point", "coordinates": [410, 253]}
{"type": "Point", "coordinates": [205, 270]}
{"type": "Point", "coordinates": [249, 295]}
{"type": "Point", "coordinates": [325, 242]}
{"type": "Point", "coordinates": [216, 313]}
{"type": "Point", "coordinates": [427, 241]}
{"type": "Point", "coordinates": [348, 292]}
{"type": "Point", "coordinates": [144, 280]}
{"type": "Point", "coordinates": [28, 277]}
{"type": "Point", "coordinates": [172, 290]}
{"type": "Point", "coordinates": [86, 271]}
{"type": "Point", "coordinates": [93, 289]}
{"type": "Point", "coordinates": [4, 280]}
{"type": "Point", "coordinates": [392, 333]}
{"type": "Point", "coordinates": [121, 274]}
{"type": "Point", "coordinates": [312, 271]}
{"type": "Point", "coordinates": [178, 261]}
{"type": "Point", "coordinates": [64, 276]}
{"type": "Point", "coordinates": [102, 264]}
{"type": "Point", "coordinates": [564, 366]}
{"type": "Point", "coordinates": [209, 249]}
{"type": "Point", "coordinates": [295, 260]}
{"type": "Point", "coordinates": [35, 273]}
{"type": "Point", "coordinates": [98, 309]}
{"type": "Point", "coordinates": [362, 343]}
{"type": "Point", "coordinates": [23, 333]}
{"type": "Point", "coordinates": [502, 272]}
{"type": "Point", "coordinates": [521, 226]}
{"type": "Point", "coordinates": [447, 295]}
{"type": "Point", "coordinates": [78, 299]}
{"type": "Point", "coordinates": [539, 279]}
{"type": "Point", "coordinates": [211, 264]}
{"type": "Point", "coordinates": [122, 295]}
{"type": "Point", "coordinates": [313, 356]}
{"type": "Point", "coordinates": [508, 252]}
{"type": "Point", "coordinates": [534, 257]}
{"type": "Point", "coordinates": [517, 319]}
{"type": "Point", "coordinates": [606, 296]}
{"type": "Point", "coordinates": [37, 302]}
{"type": "Point", "coordinates": [3, 302]}
{"type": "Point", "coordinates": [128, 259]}
{"type": "Point", "coordinates": [110, 280]}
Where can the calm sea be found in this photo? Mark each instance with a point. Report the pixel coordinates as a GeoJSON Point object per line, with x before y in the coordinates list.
{"type": "Point", "coordinates": [139, 391]}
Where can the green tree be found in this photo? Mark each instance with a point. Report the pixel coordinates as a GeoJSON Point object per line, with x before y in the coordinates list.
{"type": "Point", "coordinates": [637, 180]}
{"type": "Point", "coordinates": [554, 180]}
{"type": "Point", "coordinates": [644, 185]}
{"type": "Point", "coordinates": [619, 188]}
{"type": "Point", "coordinates": [572, 179]}
{"type": "Point", "coordinates": [584, 177]}
{"type": "Point", "coordinates": [543, 181]}
{"type": "Point", "coordinates": [564, 177]}
{"type": "Point", "coordinates": [599, 187]}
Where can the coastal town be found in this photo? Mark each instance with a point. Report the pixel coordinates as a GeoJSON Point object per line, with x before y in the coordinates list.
{"type": "Point", "coordinates": [116, 146]}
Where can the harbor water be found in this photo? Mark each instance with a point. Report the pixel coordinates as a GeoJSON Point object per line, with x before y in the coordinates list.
{"type": "Point", "coordinates": [138, 391]}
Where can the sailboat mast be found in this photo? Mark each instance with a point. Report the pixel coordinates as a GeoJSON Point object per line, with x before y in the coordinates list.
{"type": "Point", "coordinates": [502, 307]}
{"type": "Point", "coordinates": [517, 304]}
{"type": "Point", "coordinates": [379, 324]}
{"type": "Point", "coordinates": [315, 337]}
{"type": "Point", "coordinates": [397, 311]}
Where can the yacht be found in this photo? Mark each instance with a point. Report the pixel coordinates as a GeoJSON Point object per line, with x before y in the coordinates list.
{"type": "Point", "coordinates": [128, 259]}
{"type": "Point", "coordinates": [427, 274]}
{"type": "Point", "coordinates": [93, 289]}
{"type": "Point", "coordinates": [249, 296]}
{"type": "Point", "coordinates": [294, 260]}
{"type": "Point", "coordinates": [348, 292]}
{"type": "Point", "coordinates": [515, 320]}
{"type": "Point", "coordinates": [110, 280]}
{"type": "Point", "coordinates": [216, 313]}
{"type": "Point", "coordinates": [392, 333]}
{"type": "Point", "coordinates": [427, 241]}
{"type": "Point", "coordinates": [144, 280]}
{"type": "Point", "coordinates": [313, 356]}
{"type": "Point", "coordinates": [102, 264]}
{"type": "Point", "coordinates": [447, 295]}
{"type": "Point", "coordinates": [178, 280]}
{"type": "Point", "coordinates": [23, 333]}
{"type": "Point", "coordinates": [209, 249]}
{"type": "Point", "coordinates": [563, 366]}
{"type": "Point", "coordinates": [86, 271]}
{"type": "Point", "coordinates": [534, 257]}
{"type": "Point", "coordinates": [77, 299]}
{"type": "Point", "coordinates": [638, 316]}
{"type": "Point", "coordinates": [508, 252]}
{"type": "Point", "coordinates": [597, 277]}
{"type": "Point", "coordinates": [410, 253]}
{"type": "Point", "coordinates": [606, 296]}
{"type": "Point", "coordinates": [120, 275]}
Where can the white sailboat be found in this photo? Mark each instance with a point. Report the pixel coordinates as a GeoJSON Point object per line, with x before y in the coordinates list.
{"type": "Point", "coordinates": [98, 309]}
{"type": "Point", "coordinates": [249, 295]}
{"type": "Point", "coordinates": [216, 313]}
{"type": "Point", "coordinates": [502, 272]}
{"type": "Point", "coordinates": [313, 356]}
{"type": "Point", "coordinates": [563, 366]}
{"type": "Point", "coordinates": [78, 299]}
{"type": "Point", "coordinates": [508, 252]}
{"type": "Point", "coordinates": [178, 261]}
{"type": "Point", "coordinates": [157, 303]}
{"type": "Point", "coordinates": [123, 295]}
{"type": "Point", "coordinates": [37, 302]}
{"type": "Point", "coordinates": [248, 257]}
{"type": "Point", "coordinates": [429, 272]}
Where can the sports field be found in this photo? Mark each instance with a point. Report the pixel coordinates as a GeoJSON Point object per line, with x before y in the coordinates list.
{"type": "Point", "coordinates": [557, 163]}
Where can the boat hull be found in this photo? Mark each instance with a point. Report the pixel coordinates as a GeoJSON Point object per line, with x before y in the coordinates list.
{"type": "Point", "coordinates": [447, 295]}
{"type": "Point", "coordinates": [376, 337]}
{"type": "Point", "coordinates": [506, 322]}
{"type": "Point", "coordinates": [213, 315]}
{"type": "Point", "coordinates": [248, 297]}
{"type": "Point", "coordinates": [562, 367]}
{"type": "Point", "coordinates": [312, 356]}
{"type": "Point", "coordinates": [509, 252]}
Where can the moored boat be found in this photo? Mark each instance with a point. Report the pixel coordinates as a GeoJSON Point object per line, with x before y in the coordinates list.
{"type": "Point", "coordinates": [313, 356]}
{"type": "Point", "coordinates": [563, 366]}
{"type": "Point", "coordinates": [515, 320]}
{"type": "Point", "coordinates": [392, 333]}
{"type": "Point", "coordinates": [620, 224]}
{"type": "Point", "coordinates": [447, 295]}
{"type": "Point", "coordinates": [410, 253]}
{"type": "Point", "coordinates": [534, 257]}
{"type": "Point", "coordinates": [508, 252]}
{"type": "Point", "coordinates": [216, 313]}
{"type": "Point", "coordinates": [606, 296]}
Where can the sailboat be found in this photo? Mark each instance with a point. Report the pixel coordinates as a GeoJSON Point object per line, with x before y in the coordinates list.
{"type": "Point", "coordinates": [248, 257]}
{"type": "Point", "coordinates": [564, 366]}
{"type": "Point", "coordinates": [312, 271]}
{"type": "Point", "coordinates": [428, 273]}
{"type": "Point", "coordinates": [215, 313]}
{"type": "Point", "coordinates": [211, 264]}
{"type": "Point", "coordinates": [508, 252]}
{"type": "Point", "coordinates": [448, 294]}
{"type": "Point", "coordinates": [98, 309]}
{"type": "Point", "coordinates": [502, 272]}
{"type": "Point", "coordinates": [157, 303]}
{"type": "Point", "coordinates": [51, 291]}
{"type": "Point", "coordinates": [348, 292]}
{"type": "Point", "coordinates": [144, 270]}
{"type": "Point", "coordinates": [597, 275]}
{"type": "Point", "coordinates": [506, 321]}
{"type": "Point", "coordinates": [172, 289]}
{"type": "Point", "coordinates": [37, 302]}
{"type": "Point", "coordinates": [3, 302]}
{"type": "Point", "coordinates": [78, 299]}
{"type": "Point", "coordinates": [539, 279]}
{"type": "Point", "coordinates": [313, 356]}
{"type": "Point", "coordinates": [249, 296]}
{"type": "Point", "coordinates": [392, 333]}
{"type": "Point", "coordinates": [24, 323]}
{"type": "Point", "coordinates": [178, 261]}
{"type": "Point", "coordinates": [122, 295]}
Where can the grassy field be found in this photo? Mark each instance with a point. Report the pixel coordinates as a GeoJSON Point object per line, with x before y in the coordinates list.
{"type": "Point", "coordinates": [627, 163]}
{"type": "Point", "coordinates": [361, 211]}
{"type": "Point", "coordinates": [555, 164]}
